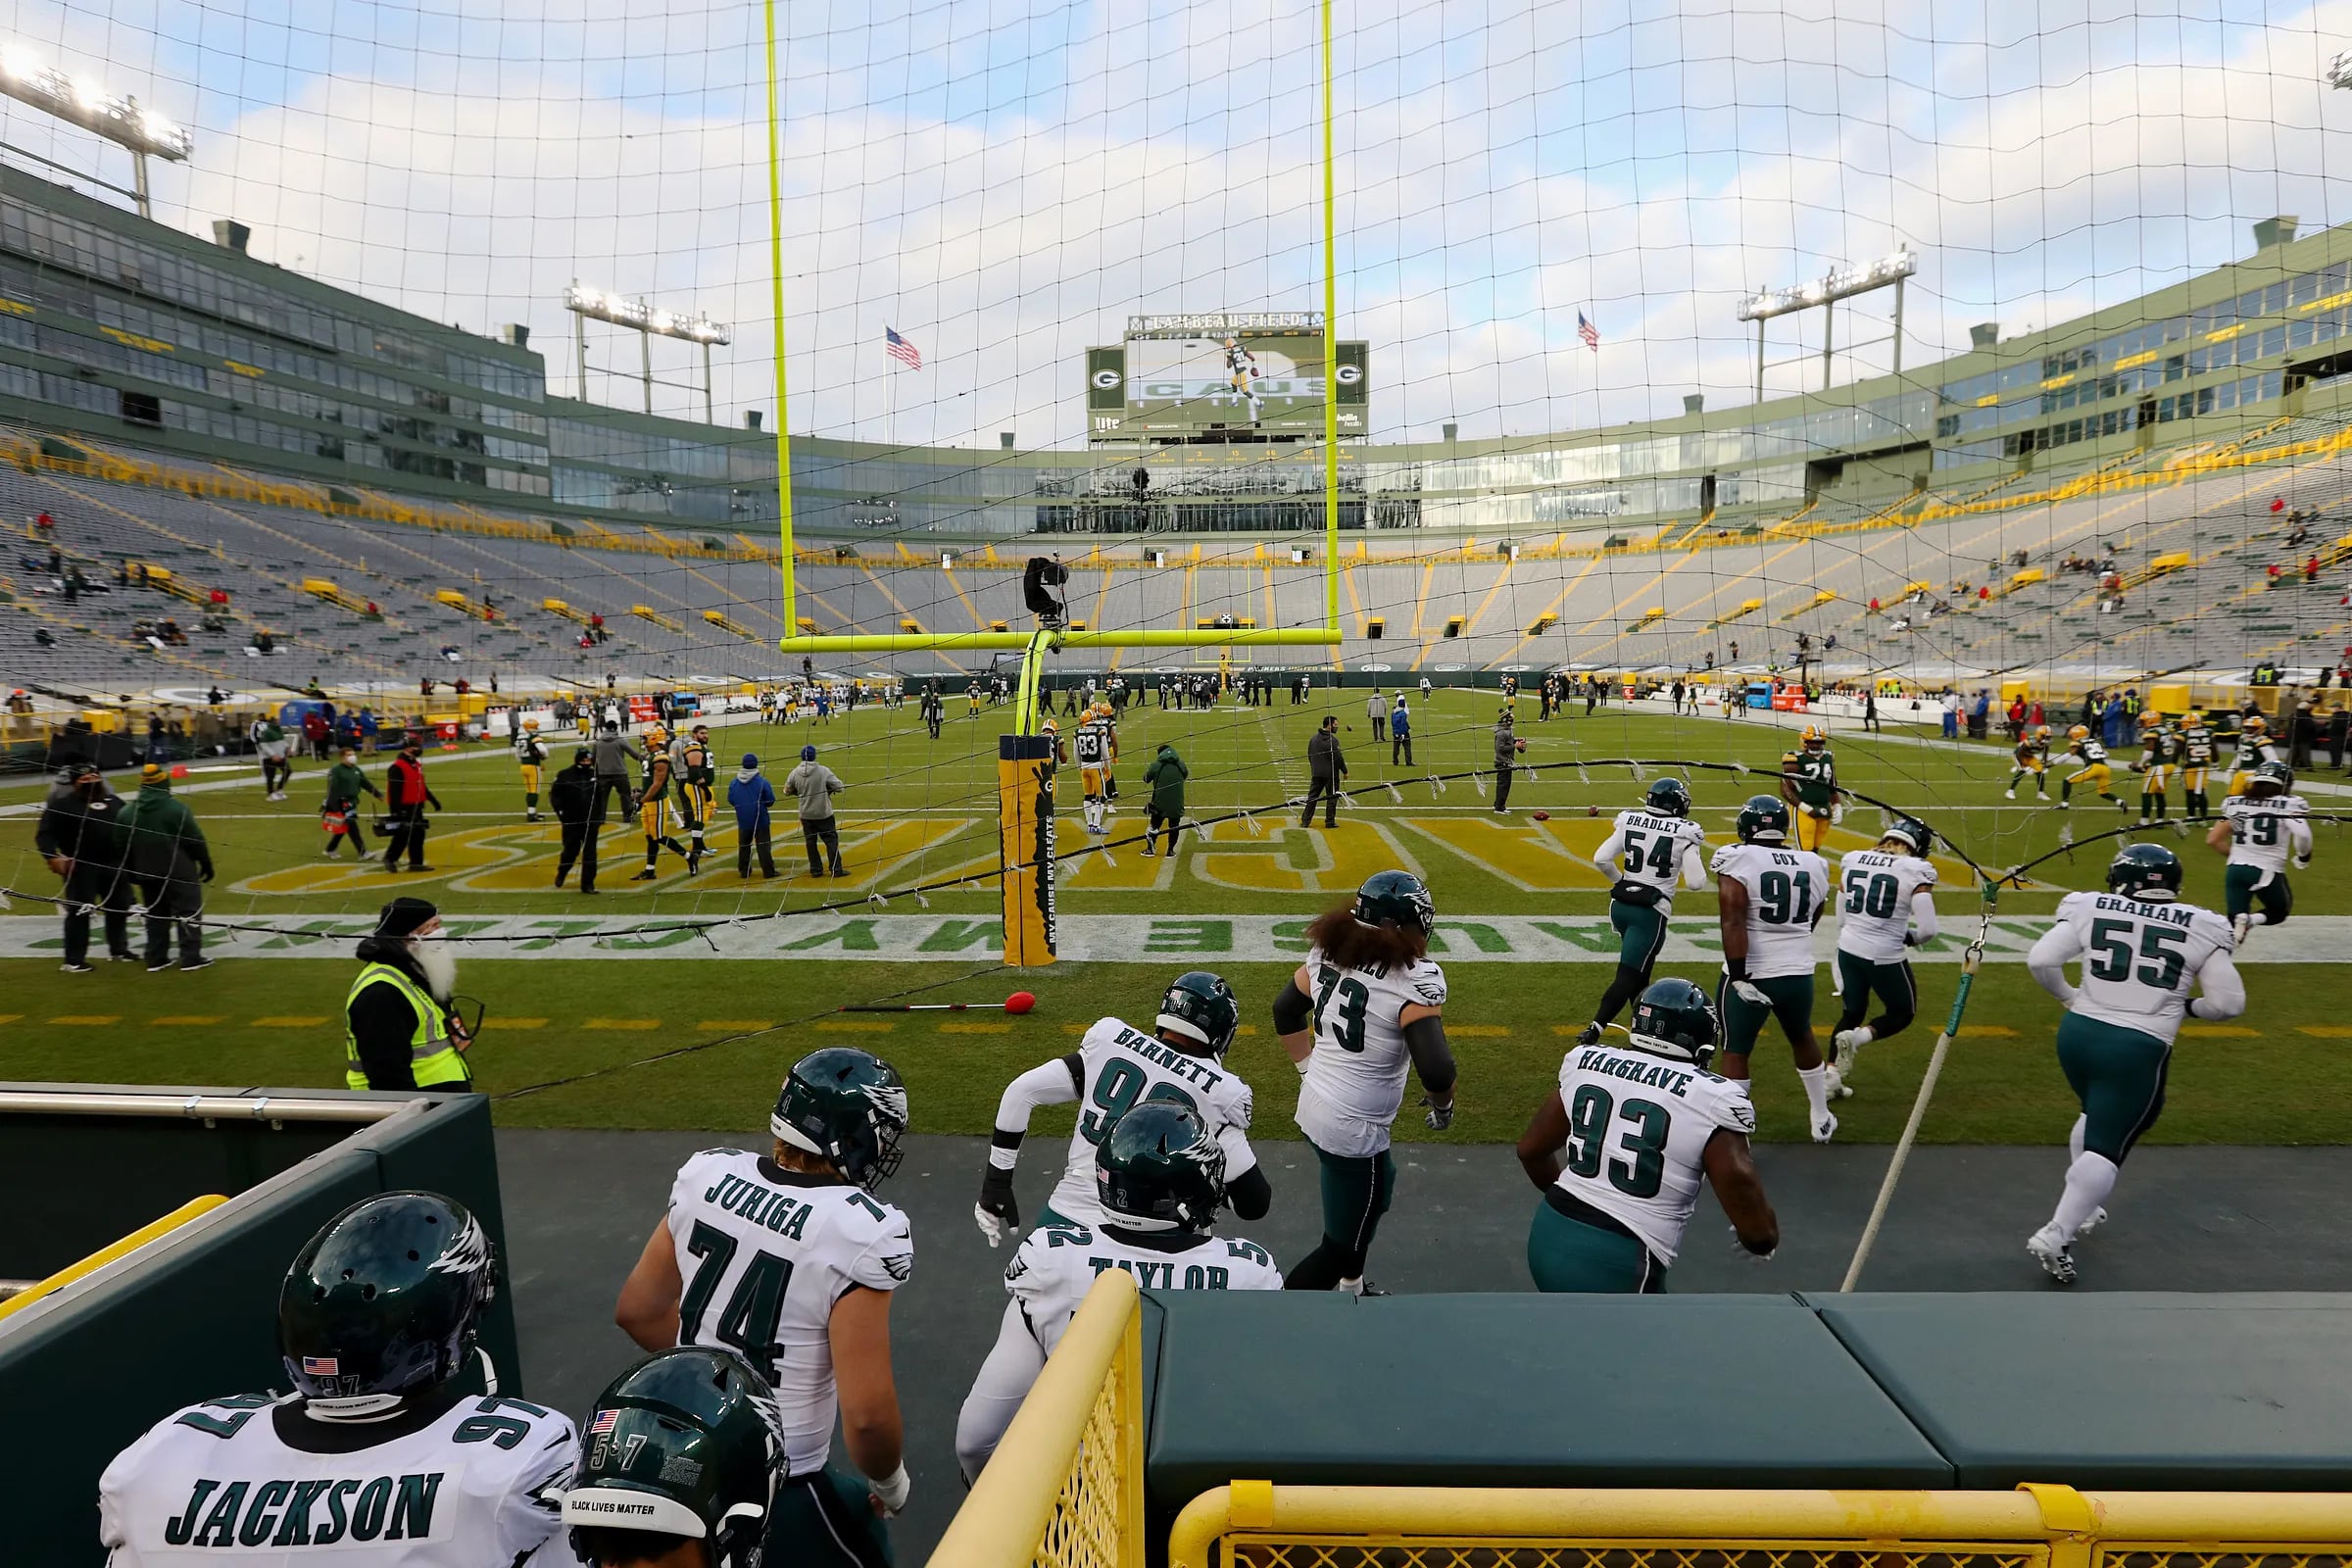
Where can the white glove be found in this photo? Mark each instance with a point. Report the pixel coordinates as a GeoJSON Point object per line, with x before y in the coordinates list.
{"type": "Point", "coordinates": [892, 1494]}
{"type": "Point", "coordinates": [2302, 863]}
{"type": "Point", "coordinates": [1752, 1257]}
{"type": "Point", "coordinates": [1750, 994]}
{"type": "Point", "coordinates": [1836, 814]}
{"type": "Point", "coordinates": [991, 1227]}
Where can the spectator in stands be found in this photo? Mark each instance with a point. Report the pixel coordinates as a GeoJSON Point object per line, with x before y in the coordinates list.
{"type": "Point", "coordinates": [2311, 569]}
{"type": "Point", "coordinates": [814, 784]}
{"type": "Point", "coordinates": [81, 836]}
{"type": "Point", "coordinates": [406, 801]}
{"type": "Point", "coordinates": [340, 816]}
{"type": "Point", "coordinates": [1325, 768]}
{"type": "Point", "coordinates": [2272, 573]}
{"type": "Point", "coordinates": [167, 853]}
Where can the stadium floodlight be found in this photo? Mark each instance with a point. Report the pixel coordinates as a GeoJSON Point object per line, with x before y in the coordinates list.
{"type": "Point", "coordinates": [1823, 293]}
{"type": "Point", "coordinates": [118, 118]}
{"type": "Point", "coordinates": [648, 321]}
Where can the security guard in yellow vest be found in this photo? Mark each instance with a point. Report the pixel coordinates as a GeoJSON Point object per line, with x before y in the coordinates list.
{"type": "Point", "coordinates": [399, 1031]}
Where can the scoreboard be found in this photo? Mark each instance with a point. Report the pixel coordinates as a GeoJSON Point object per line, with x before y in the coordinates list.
{"type": "Point", "coordinates": [1225, 377]}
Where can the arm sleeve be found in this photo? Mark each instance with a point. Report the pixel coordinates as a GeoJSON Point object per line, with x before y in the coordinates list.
{"type": "Point", "coordinates": [2222, 990]}
{"type": "Point", "coordinates": [1293, 1011]}
{"type": "Point", "coordinates": [1055, 1083]}
{"type": "Point", "coordinates": [1432, 1058]}
{"type": "Point", "coordinates": [1695, 863]}
{"type": "Point", "coordinates": [1923, 913]}
{"type": "Point", "coordinates": [1605, 859]}
{"type": "Point", "coordinates": [2298, 837]}
{"type": "Point", "coordinates": [1250, 1194]}
{"type": "Point", "coordinates": [1004, 1378]}
{"type": "Point", "coordinates": [382, 1024]}
{"type": "Point", "coordinates": [2049, 956]}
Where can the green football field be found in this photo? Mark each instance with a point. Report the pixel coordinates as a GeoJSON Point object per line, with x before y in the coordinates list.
{"type": "Point", "coordinates": [580, 1016]}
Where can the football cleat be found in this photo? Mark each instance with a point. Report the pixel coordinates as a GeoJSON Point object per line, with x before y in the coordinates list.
{"type": "Point", "coordinates": [2098, 1217]}
{"type": "Point", "coordinates": [1826, 1128]}
{"type": "Point", "coordinates": [2009, 795]}
{"type": "Point", "coordinates": [2242, 926]}
{"type": "Point", "coordinates": [1834, 1081]}
{"type": "Point", "coordinates": [73, 969]}
{"type": "Point", "coordinates": [2055, 1260]}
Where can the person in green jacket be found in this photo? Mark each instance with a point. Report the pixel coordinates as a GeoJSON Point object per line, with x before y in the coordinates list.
{"type": "Point", "coordinates": [169, 858]}
{"type": "Point", "coordinates": [1165, 777]}
{"type": "Point", "coordinates": [345, 784]}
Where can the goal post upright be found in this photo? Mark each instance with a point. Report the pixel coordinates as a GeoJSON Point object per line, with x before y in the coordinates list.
{"type": "Point", "coordinates": [1025, 761]}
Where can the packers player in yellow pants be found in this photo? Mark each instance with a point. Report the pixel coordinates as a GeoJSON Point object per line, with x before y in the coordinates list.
{"type": "Point", "coordinates": [2089, 759]}
{"type": "Point", "coordinates": [652, 804]}
{"type": "Point", "coordinates": [532, 756]}
{"type": "Point", "coordinates": [1809, 784]}
{"type": "Point", "coordinates": [695, 793]}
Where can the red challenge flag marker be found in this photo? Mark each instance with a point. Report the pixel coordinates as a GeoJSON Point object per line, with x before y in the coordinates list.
{"type": "Point", "coordinates": [1018, 1003]}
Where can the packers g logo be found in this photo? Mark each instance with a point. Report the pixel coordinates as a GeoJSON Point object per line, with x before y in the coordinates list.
{"type": "Point", "coordinates": [1106, 378]}
{"type": "Point", "coordinates": [1348, 375]}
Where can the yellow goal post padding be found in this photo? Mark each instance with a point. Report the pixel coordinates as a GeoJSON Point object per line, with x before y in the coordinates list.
{"type": "Point", "coordinates": [1065, 1487]}
{"type": "Point", "coordinates": [2035, 1526]}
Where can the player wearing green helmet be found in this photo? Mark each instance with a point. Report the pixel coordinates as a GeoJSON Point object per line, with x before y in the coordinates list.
{"type": "Point", "coordinates": [1620, 1144]}
{"type": "Point", "coordinates": [787, 1258]}
{"type": "Point", "coordinates": [1649, 851]}
{"type": "Point", "coordinates": [1769, 896]}
{"type": "Point", "coordinates": [2143, 953]}
{"type": "Point", "coordinates": [1160, 1171]}
{"type": "Point", "coordinates": [1375, 1009]}
{"type": "Point", "coordinates": [2261, 831]}
{"type": "Point", "coordinates": [1886, 907]}
{"type": "Point", "coordinates": [380, 1448]}
{"type": "Point", "coordinates": [680, 1467]}
{"type": "Point", "coordinates": [1181, 1061]}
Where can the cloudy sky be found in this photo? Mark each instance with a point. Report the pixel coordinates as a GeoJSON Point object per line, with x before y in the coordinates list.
{"type": "Point", "coordinates": [1005, 180]}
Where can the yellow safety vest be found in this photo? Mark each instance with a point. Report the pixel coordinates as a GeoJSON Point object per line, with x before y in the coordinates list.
{"type": "Point", "coordinates": [432, 1057]}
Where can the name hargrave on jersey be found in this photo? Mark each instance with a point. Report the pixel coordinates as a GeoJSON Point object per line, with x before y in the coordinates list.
{"type": "Point", "coordinates": [480, 1482]}
{"type": "Point", "coordinates": [1637, 1137]}
{"type": "Point", "coordinates": [1056, 1264]}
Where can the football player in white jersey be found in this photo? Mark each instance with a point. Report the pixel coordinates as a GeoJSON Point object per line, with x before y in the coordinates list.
{"type": "Point", "coordinates": [2143, 951]}
{"type": "Point", "coordinates": [1092, 745]}
{"type": "Point", "coordinates": [1115, 1066]}
{"type": "Point", "coordinates": [787, 1258]}
{"type": "Point", "coordinates": [1769, 896]}
{"type": "Point", "coordinates": [1887, 908]}
{"type": "Point", "coordinates": [683, 1455]}
{"type": "Point", "coordinates": [1648, 851]}
{"type": "Point", "coordinates": [1619, 1147]}
{"type": "Point", "coordinates": [376, 1458]}
{"type": "Point", "coordinates": [1364, 1005]}
{"type": "Point", "coordinates": [2260, 831]}
{"type": "Point", "coordinates": [1160, 1170]}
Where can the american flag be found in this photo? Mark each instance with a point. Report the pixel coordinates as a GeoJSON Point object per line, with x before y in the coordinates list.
{"type": "Point", "coordinates": [1589, 332]}
{"type": "Point", "coordinates": [603, 1422]}
{"type": "Point", "coordinates": [322, 1366]}
{"type": "Point", "coordinates": [901, 350]}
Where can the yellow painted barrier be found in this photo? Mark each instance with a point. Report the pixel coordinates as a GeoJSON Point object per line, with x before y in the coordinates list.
{"type": "Point", "coordinates": [114, 1252]}
{"type": "Point", "coordinates": [1066, 1485]}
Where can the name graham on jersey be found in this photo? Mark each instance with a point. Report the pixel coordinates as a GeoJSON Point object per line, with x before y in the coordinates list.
{"type": "Point", "coordinates": [280, 1513]}
{"type": "Point", "coordinates": [2169, 914]}
{"type": "Point", "coordinates": [762, 1205]}
{"type": "Point", "coordinates": [1163, 1055]}
{"type": "Point", "coordinates": [1648, 1074]}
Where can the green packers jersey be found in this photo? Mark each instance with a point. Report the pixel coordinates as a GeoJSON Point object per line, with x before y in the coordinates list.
{"type": "Point", "coordinates": [1815, 776]}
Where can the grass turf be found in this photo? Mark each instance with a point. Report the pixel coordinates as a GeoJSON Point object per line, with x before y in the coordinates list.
{"type": "Point", "coordinates": [260, 1020]}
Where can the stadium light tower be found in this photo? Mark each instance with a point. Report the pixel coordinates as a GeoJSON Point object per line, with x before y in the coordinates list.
{"type": "Point", "coordinates": [648, 321]}
{"type": "Point", "coordinates": [117, 117]}
{"type": "Point", "coordinates": [1824, 292]}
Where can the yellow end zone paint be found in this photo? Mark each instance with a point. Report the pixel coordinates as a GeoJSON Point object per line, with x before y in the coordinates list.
{"type": "Point", "coordinates": [975, 1028]}
{"type": "Point", "coordinates": [514, 1023]}
{"type": "Point", "coordinates": [622, 1023]}
{"type": "Point", "coordinates": [88, 1020]}
{"type": "Point", "coordinates": [1986, 1031]}
{"type": "Point", "coordinates": [734, 1023]}
{"type": "Point", "coordinates": [184, 1018]}
{"type": "Point", "coordinates": [855, 1026]}
{"type": "Point", "coordinates": [289, 1021]}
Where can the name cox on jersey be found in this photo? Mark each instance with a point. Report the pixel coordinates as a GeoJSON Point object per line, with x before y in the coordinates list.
{"type": "Point", "coordinates": [1650, 1075]}
{"type": "Point", "coordinates": [382, 1509]}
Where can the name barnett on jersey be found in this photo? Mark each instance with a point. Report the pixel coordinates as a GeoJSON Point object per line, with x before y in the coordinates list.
{"type": "Point", "coordinates": [1611, 1064]}
{"type": "Point", "coordinates": [1198, 1070]}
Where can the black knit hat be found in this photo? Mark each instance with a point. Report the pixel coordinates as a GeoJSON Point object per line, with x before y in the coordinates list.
{"type": "Point", "coordinates": [403, 916]}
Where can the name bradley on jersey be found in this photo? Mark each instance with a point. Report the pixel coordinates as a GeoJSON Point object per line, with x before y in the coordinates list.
{"type": "Point", "coordinates": [279, 1513]}
{"type": "Point", "coordinates": [762, 1205]}
{"type": "Point", "coordinates": [1648, 1074]}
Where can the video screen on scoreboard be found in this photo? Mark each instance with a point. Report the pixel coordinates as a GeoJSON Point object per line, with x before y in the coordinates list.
{"type": "Point", "coordinates": [1271, 383]}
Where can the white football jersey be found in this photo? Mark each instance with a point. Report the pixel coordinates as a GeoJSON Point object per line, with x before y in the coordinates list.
{"type": "Point", "coordinates": [2140, 959]}
{"type": "Point", "coordinates": [1786, 889]}
{"type": "Point", "coordinates": [1116, 1066]}
{"type": "Point", "coordinates": [1639, 1125]}
{"type": "Point", "coordinates": [480, 1485]}
{"type": "Point", "coordinates": [765, 1252]}
{"type": "Point", "coordinates": [1876, 907]}
{"type": "Point", "coordinates": [1648, 849]}
{"type": "Point", "coordinates": [1354, 1079]}
{"type": "Point", "coordinates": [1056, 1264]}
{"type": "Point", "coordinates": [1092, 744]}
{"type": "Point", "coordinates": [2266, 832]}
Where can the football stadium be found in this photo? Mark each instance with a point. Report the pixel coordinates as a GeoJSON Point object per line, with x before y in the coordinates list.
{"type": "Point", "coordinates": [1350, 699]}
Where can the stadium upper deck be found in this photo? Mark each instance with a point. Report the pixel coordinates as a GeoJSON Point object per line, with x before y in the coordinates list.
{"type": "Point", "coordinates": [114, 328]}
